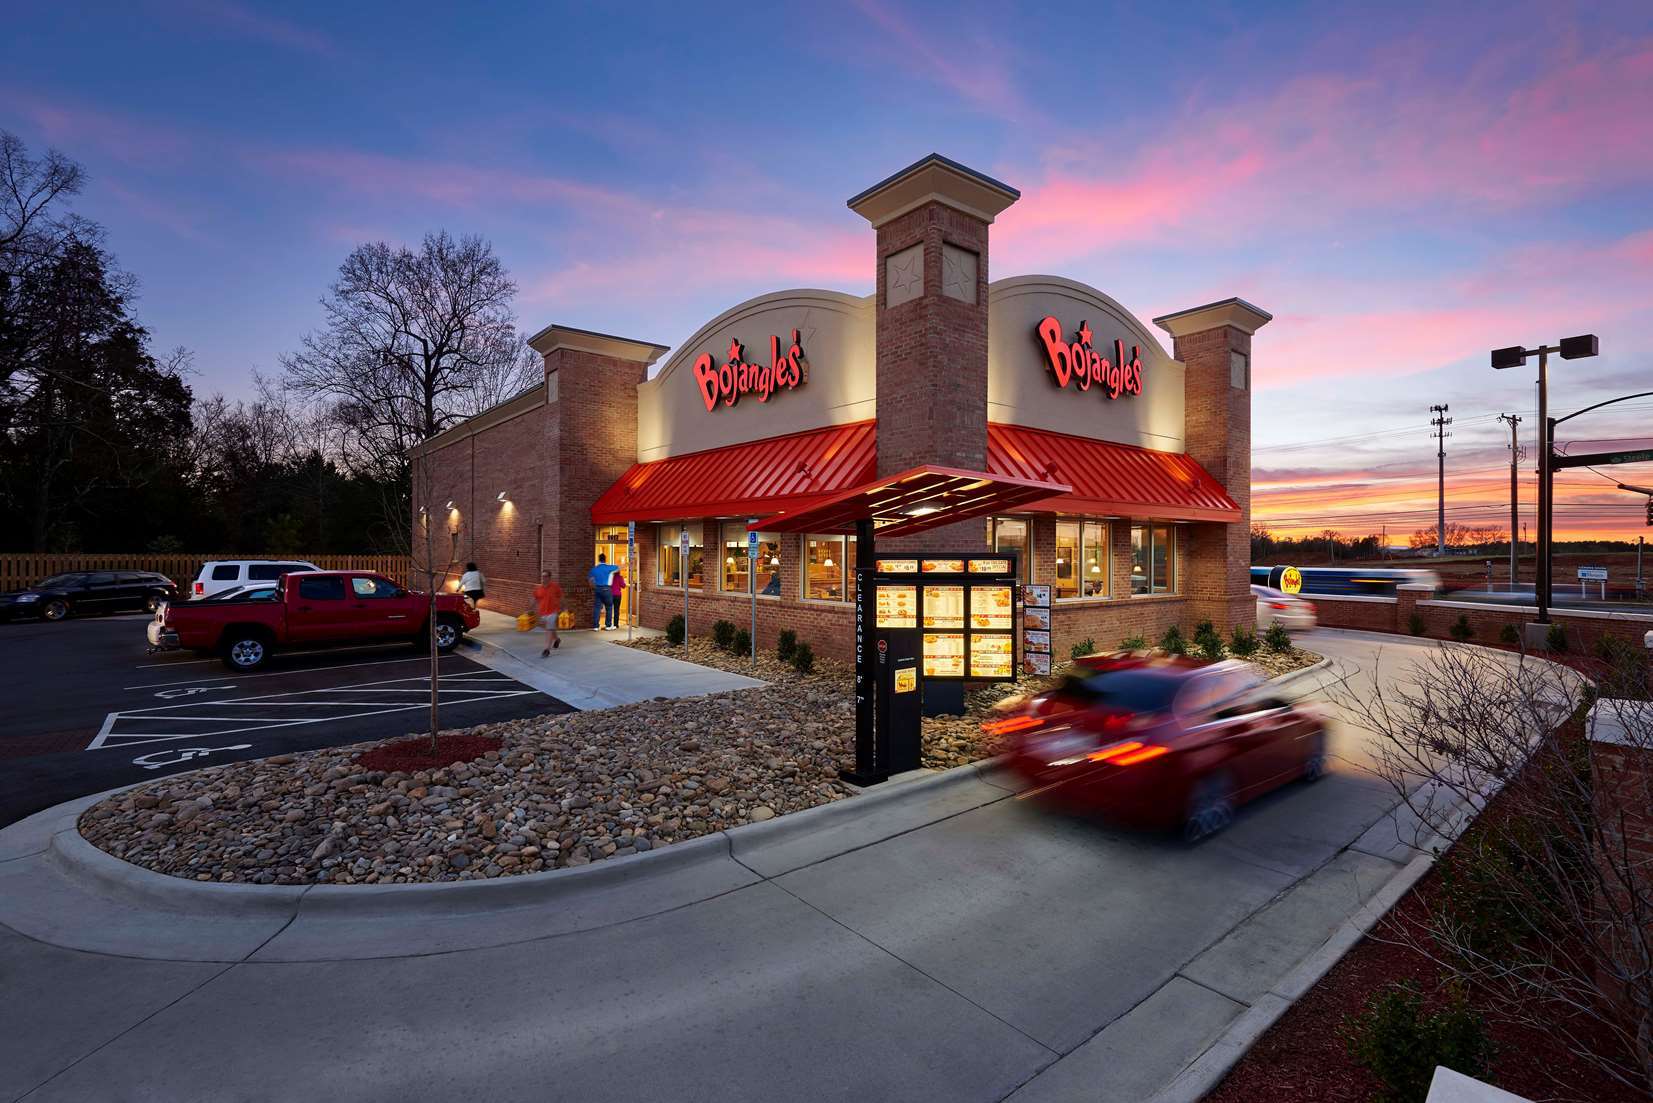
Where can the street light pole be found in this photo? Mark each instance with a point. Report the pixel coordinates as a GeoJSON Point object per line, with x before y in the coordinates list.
{"type": "Point", "coordinates": [1570, 348]}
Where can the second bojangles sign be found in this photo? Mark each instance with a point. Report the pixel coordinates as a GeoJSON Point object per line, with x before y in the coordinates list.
{"type": "Point", "coordinates": [726, 382]}
{"type": "Point", "coordinates": [1083, 366]}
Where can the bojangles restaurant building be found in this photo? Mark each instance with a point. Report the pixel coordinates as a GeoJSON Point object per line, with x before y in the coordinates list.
{"type": "Point", "coordinates": [1032, 413]}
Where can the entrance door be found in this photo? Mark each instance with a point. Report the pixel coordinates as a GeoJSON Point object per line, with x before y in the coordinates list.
{"type": "Point", "coordinates": [611, 542]}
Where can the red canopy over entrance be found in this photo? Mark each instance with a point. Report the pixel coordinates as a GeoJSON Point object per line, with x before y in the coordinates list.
{"type": "Point", "coordinates": [913, 501]}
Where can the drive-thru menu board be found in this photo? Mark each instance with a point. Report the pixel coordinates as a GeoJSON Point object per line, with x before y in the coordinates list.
{"type": "Point", "coordinates": [897, 606]}
{"type": "Point", "coordinates": [967, 613]}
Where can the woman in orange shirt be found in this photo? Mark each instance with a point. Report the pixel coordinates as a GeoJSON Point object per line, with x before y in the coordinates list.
{"type": "Point", "coordinates": [548, 603]}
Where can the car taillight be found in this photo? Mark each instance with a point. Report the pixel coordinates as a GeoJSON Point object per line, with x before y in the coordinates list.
{"type": "Point", "coordinates": [1278, 605]}
{"type": "Point", "coordinates": [1128, 753]}
{"type": "Point", "coordinates": [200, 588]}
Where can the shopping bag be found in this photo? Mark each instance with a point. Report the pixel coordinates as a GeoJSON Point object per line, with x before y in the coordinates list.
{"type": "Point", "coordinates": [565, 619]}
{"type": "Point", "coordinates": [525, 622]}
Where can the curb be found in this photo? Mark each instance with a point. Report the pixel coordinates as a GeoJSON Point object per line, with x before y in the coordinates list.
{"type": "Point", "coordinates": [76, 857]}
{"type": "Point", "coordinates": [1207, 1071]}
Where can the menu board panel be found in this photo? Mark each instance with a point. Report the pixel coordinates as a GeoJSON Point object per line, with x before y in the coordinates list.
{"type": "Point", "coordinates": [896, 566]}
{"type": "Point", "coordinates": [991, 607]}
{"type": "Point", "coordinates": [944, 606]}
{"type": "Point", "coordinates": [1035, 663]}
{"type": "Point", "coordinates": [941, 566]}
{"type": "Point", "coordinates": [992, 656]}
{"type": "Point", "coordinates": [898, 606]}
{"type": "Point", "coordinates": [1036, 595]}
{"type": "Point", "coordinates": [944, 654]}
{"type": "Point", "coordinates": [1036, 619]}
{"type": "Point", "coordinates": [1037, 641]}
{"type": "Point", "coordinates": [989, 566]}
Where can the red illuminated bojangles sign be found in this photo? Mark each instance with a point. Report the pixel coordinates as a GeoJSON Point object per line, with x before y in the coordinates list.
{"type": "Point", "coordinates": [1079, 362]}
{"type": "Point", "coordinates": [728, 381]}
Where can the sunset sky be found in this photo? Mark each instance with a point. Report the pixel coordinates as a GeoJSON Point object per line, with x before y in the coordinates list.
{"type": "Point", "coordinates": [1404, 186]}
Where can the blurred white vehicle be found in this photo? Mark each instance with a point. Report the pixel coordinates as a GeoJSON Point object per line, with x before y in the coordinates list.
{"type": "Point", "coordinates": [1289, 611]}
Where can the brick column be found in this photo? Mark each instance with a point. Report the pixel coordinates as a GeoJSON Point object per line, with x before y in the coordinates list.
{"type": "Point", "coordinates": [1214, 344]}
{"type": "Point", "coordinates": [591, 384]}
{"type": "Point", "coordinates": [932, 223]}
{"type": "Point", "coordinates": [1407, 596]}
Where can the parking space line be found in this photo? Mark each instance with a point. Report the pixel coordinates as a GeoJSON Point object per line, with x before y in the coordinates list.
{"type": "Point", "coordinates": [102, 740]}
{"type": "Point", "coordinates": [288, 673]}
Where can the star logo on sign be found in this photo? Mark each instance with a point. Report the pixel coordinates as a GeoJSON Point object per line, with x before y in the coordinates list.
{"type": "Point", "coordinates": [737, 351]}
{"type": "Point", "coordinates": [1085, 333]}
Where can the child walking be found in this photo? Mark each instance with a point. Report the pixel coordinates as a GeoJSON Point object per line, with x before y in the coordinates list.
{"type": "Point", "coordinates": [548, 603]}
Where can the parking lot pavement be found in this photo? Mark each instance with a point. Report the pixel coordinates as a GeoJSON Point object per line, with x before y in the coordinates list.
{"type": "Point", "coordinates": [88, 709]}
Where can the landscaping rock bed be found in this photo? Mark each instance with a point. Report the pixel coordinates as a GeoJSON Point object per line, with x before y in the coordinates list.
{"type": "Point", "coordinates": [562, 791]}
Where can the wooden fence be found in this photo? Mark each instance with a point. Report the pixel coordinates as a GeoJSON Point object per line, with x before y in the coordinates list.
{"type": "Point", "coordinates": [23, 569]}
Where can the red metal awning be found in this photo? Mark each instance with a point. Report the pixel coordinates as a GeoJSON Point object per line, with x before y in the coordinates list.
{"type": "Point", "coordinates": [1109, 478]}
{"type": "Point", "coordinates": [744, 480]}
{"type": "Point", "coordinates": [913, 501]}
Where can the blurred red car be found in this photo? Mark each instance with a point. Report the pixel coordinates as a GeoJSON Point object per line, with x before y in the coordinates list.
{"type": "Point", "coordinates": [1161, 743]}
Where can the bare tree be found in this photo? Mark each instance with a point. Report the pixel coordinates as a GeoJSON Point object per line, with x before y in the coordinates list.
{"type": "Point", "coordinates": [30, 188]}
{"type": "Point", "coordinates": [414, 341]}
{"type": "Point", "coordinates": [1548, 913]}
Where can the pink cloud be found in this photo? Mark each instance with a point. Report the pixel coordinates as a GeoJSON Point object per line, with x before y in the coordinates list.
{"type": "Point", "coordinates": [239, 19]}
{"type": "Point", "coordinates": [76, 129]}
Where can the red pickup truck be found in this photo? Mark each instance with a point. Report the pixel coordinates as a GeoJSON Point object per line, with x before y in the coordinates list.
{"type": "Point", "coordinates": [310, 609]}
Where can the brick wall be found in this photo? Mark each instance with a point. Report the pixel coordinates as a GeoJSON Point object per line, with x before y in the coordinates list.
{"type": "Point", "coordinates": [1583, 631]}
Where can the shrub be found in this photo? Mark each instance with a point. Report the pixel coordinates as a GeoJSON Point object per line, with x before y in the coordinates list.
{"type": "Point", "coordinates": [1243, 643]}
{"type": "Point", "coordinates": [1461, 629]}
{"type": "Point", "coordinates": [1207, 640]}
{"type": "Point", "coordinates": [1556, 638]}
{"type": "Point", "coordinates": [785, 644]}
{"type": "Point", "coordinates": [1277, 638]}
{"type": "Point", "coordinates": [803, 659]}
{"type": "Point", "coordinates": [1172, 642]}
{"type": "Point", "coordinates": [742, 643]}
{"type": "Point", "coordinates": [1132, 643]}
{"type": "Point", "coordinates": [723, 634]}
{"type": "Point", "coordinates": [1086, 646]}
{"type": "Point", "coordinates": [1509, 635]}
{"type": "Point", "coordinates": [1400, 1043]}
{"type": "Point", "coordinates": [674, 630]}
{"type": "Point", "coordinates": [1415, 624]}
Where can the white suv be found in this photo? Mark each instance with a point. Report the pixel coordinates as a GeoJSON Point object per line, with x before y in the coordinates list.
{"type": "Point", "coordinates": [224, 574]}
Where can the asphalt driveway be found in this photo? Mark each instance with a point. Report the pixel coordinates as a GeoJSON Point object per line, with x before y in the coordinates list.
{"type": "Point", "coordinates": [88, 709]}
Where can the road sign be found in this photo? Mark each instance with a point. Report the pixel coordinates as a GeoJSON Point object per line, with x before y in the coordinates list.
{"type": "Point", "coordinates": [751, 545]}
{"type": "Point", "coordinates": [683, 542]}
{"type": "Point", "coordinates": [1593, 574]}
{"type": "Point", "coordinates": [1602, 459]}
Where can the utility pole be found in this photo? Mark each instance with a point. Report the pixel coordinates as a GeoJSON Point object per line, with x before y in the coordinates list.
{"type": "Point", "coordinates": [1440, 421]}
{"type": "Point", "coordinates": [1515, 504]}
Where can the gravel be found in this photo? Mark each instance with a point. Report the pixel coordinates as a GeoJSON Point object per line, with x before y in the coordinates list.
{"type": "Point", "coordinates": [562, 791]}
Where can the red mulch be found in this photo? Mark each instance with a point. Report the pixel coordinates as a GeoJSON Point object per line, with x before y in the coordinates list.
{"type": "Point", "coordinates": [413, 754]}
{"type": "Point", "coordinates": [1304, 1057]}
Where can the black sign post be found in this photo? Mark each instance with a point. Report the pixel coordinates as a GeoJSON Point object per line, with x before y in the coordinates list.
{"type": "Point", "coordinates": [870, 766]}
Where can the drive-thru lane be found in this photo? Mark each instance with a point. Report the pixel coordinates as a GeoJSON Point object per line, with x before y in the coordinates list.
{"type": "Point", "coordinates": [88, 709]}
{"type": "Point", "coordinates": [990, 952]}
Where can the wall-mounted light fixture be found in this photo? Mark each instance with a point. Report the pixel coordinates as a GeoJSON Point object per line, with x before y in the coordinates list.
{"type": "Point", "coordinates": [504, 496]}
{"type": "Point", "coordinates": [450, 507]}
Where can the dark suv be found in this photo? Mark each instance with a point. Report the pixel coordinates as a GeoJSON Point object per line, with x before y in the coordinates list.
{"type": "Point", "coordinates": [89, 592]}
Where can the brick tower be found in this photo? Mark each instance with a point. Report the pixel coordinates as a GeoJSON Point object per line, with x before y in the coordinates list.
{"type": "Point", "coordinates": [931, 220]}
{"type": "Point", "coordinates": [1214, 344]}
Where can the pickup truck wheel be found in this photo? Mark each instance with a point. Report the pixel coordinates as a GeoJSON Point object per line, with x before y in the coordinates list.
{"type": "Point", "coordinates": [448, 631]}
{"type": "Point", "coordinates": [244, 651]}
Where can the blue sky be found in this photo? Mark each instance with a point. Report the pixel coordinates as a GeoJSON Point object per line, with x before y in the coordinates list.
{"type": "Point", "coordinates": [1403, 189]}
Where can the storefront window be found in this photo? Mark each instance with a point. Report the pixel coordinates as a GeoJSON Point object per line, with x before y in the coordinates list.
{"type": "Point", "coordinates": [829, 563]}
{"type": "Point", "coordinates": [1093, 559]}
{"type": "Point", "coordinates": [736, 562]}
{"type": "Point", "coordinates": [1153, 559]}
{"type": "Point", "coordinates": [1081, 559]}
{"type": "Point", "coordinates": [1067, 560]}
{"type": "Point", "coordinates": [1010, 535]}
{"type": "Point", "coordinates": [668, 567]}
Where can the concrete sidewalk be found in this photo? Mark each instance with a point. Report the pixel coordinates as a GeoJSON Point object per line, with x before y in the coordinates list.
{"type": "Point", "coordinates": [588, 671]}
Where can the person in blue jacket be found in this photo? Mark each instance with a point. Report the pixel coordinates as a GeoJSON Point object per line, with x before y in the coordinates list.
{"type": "Point", "coordinates": [602, 584]}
